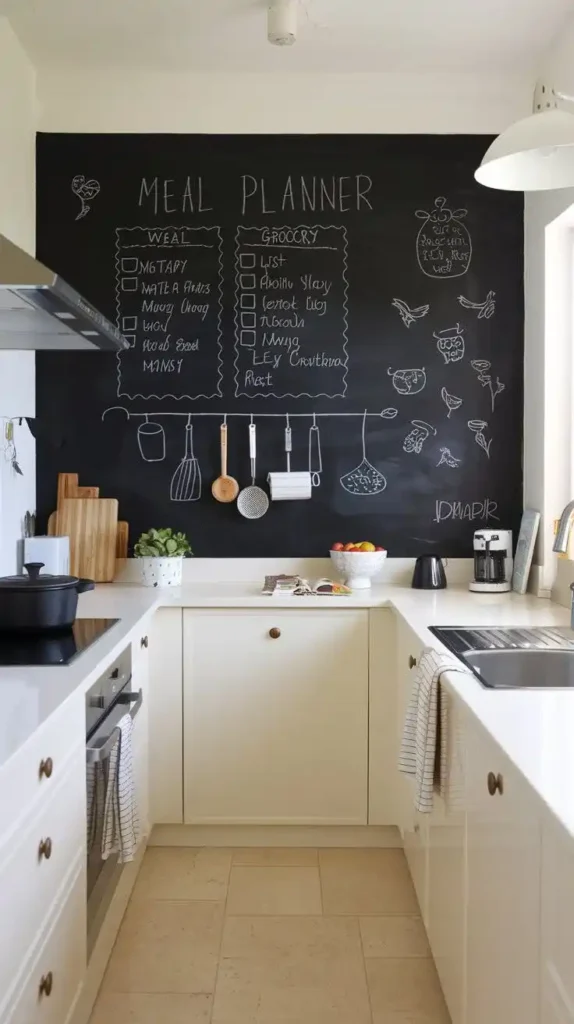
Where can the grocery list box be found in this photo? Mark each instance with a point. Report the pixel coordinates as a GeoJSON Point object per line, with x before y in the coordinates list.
{"type": "Point", "coordinates": [129, 264]}
{"type": "Point", "coordinates": [130, 284]}
{"type": "Point", "coordinates": [247, 260]}
{"type": "Point", "coordinates": [248, 339]}
{"type": "Point", "coordinates": [247, 301]}
{"type": "Point", "coordinates": [247, 281]}
{"type": "Point", "coordinates": [248, 320]}
{"type": "Point", "coordinates": [129, 323]}
{"type": "Point", "coordinates": [131, 340]}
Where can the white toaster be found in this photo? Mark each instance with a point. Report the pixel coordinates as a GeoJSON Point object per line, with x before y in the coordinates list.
{"type": "Point", "coordinates": [54, 552]}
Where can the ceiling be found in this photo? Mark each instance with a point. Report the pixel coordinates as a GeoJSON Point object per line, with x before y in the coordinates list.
{"type": "Point", "coordinates": [442, 36]}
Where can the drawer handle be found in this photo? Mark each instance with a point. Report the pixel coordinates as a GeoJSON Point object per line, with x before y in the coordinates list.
{"type": "Point", "coordinates": [274, 633]}
{"type": "Point", "coordinates": [46, 984]}
{"type": "Point", "coordinates": [45, 848]}
{"type": "Point", "coordinates": [144, 642]}
{"type": "Point", "coordinates": [412, 661]}
{"type": "Point", "coordinates": [495, 783]}
{"type": "Point", "coordinates": [46, 767]}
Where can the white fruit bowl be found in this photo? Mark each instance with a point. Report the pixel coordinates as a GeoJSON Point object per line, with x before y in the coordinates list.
{"type": "Point", "coordinates": [358, 567]}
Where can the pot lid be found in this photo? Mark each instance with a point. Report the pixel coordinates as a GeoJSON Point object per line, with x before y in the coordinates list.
{"type": "Point", "coordinates": [34, 579]}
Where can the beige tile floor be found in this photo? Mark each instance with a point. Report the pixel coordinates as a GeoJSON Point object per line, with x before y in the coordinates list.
{"type": "Point", "coordinates": [271, 936]}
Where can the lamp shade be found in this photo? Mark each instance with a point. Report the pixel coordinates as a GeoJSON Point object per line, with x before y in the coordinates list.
{"type": "Point", "coordinates": [534, 154]}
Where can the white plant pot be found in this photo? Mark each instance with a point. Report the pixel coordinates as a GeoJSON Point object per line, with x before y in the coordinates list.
{"type": "Point", "coordinates": [161, 572]}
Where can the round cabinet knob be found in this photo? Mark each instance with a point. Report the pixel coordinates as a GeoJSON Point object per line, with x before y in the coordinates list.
{"type": "Point", "coordinates": [495, 783]}
{"type": "Point", "coordinates": [45, 848]}
{"type": "Point", "coordinates": [46, 984]}
{"type": "Point", "coordinates": [274, 633]}
{"type": "Point", "coordinates": [144, 642]}
{"type": "Point", "coordinates": [412, 661]}
{"type": "Point", "coordinates": [46, 768]}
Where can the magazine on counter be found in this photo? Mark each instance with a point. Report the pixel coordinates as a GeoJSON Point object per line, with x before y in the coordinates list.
{"type": "Point", "coordinates": [296, 586]}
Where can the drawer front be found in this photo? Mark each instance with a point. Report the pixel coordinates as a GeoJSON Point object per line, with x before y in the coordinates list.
{"type": "Point", "coordinates": [34, 771]}
{"type": "Point", "coordinates": [50, 987]}
{"type": "Point", "coordinates": [33, 869]}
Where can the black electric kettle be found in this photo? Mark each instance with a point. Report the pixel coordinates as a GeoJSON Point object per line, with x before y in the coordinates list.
{"type": "Point", "coordinates": [429, 573]}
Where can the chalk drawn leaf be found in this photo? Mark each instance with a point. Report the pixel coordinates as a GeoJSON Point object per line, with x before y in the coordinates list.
{"type": "Point", "coordinates": [448, 459]}
{"type": "Point", "coordinates": [389, 414]}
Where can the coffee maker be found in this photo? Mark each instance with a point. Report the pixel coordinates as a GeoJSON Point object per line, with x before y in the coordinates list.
{"type": "Point", "coordinates": [492, 561]}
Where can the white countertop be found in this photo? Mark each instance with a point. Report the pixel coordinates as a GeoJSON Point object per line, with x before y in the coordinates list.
{"type": "Point", "coordinates": [534, 728]}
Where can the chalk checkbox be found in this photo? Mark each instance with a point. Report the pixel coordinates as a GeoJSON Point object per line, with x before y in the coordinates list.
{"type": "Point", "coordinates": [248, 339]}
{"type": "Point", "coordinates": [130, 284]}
{"type": "Point", "coordinates": [131, 340]}
{"type": "Point", "coordinates": [129, 264]}
{"type": "Point", "coordinates": [248, 320]}
{"type": "Point", "coordinates": [248, 301]}
{"type": "Point", "coordinates": [129, 323]}
{"type": "Point", "coordinates": [247, 281]}
{"type": "Point", "coordinates": [247, 260]}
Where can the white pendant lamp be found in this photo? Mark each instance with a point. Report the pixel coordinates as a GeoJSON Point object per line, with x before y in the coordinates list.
{"type": "Point", "coordinates": [536, 153]}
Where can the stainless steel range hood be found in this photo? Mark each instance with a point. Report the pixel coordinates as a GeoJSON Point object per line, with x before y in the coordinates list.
{"type": "Point", "coordinates": [38, 310]}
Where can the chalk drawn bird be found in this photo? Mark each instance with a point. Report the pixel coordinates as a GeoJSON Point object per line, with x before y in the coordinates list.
{"type": "Point", "coordinates": [409, 316]}
{"type": "Point", "coordinates": [85, 191]}
{"type": "Point", "coordinates": [485, 309]}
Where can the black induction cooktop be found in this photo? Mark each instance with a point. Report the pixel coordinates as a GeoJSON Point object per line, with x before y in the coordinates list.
{"type": "Point", "coordinates": [56, 647]}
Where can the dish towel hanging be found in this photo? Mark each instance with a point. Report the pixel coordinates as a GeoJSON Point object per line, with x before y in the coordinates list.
{"type": "Point", "coordinates": [423, 748]}
{"type": "Point", "coordinates": [121, 820]}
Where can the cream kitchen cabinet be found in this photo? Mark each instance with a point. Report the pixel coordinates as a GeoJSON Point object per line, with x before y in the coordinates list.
{"type": "Point", "coordinates": [557, 917]}
{"type": "Point", "coordinates": [503, 887]}
{"type": "Point", "coordinates": [165, 713]}
{"type": "Point", "coordinates": [276, 717]}
{"type": "Point", "coordinates": [140, 681]}
{"type": "Point", "coordinates": [447, 862]}
{"type": "Point", "coordinates": [413, 826]}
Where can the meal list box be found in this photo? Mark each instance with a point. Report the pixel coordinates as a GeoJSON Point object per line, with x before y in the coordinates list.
{"type": "Point", "coordinates": [169, 307]}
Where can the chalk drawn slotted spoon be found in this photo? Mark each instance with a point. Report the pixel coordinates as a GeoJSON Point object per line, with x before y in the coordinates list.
{"type": "Point", "coordinates": [253, 502]}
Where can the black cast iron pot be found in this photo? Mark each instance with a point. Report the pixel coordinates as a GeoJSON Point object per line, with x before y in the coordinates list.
{"type": "Point", "coordinates": [36, 602]}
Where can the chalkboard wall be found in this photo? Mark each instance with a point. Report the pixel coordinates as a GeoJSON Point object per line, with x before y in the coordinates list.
{"type": "Point", "coordinates": [363, 290]}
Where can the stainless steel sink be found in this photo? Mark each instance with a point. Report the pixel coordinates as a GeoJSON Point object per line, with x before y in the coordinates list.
{"type": "Point", "coordinates": [513, 658]}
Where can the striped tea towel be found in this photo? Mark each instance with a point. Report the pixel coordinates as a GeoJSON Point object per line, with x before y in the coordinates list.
{"type": "Point", "coordinates": [423, 755]}
{"type": "Point", "coordinates": [121, 821]}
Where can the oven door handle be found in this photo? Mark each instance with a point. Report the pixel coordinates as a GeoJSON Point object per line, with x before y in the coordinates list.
{"type": "Point", "coordinates": [101, 751]}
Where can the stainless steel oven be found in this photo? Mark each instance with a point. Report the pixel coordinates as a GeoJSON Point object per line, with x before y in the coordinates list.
{"type": "Point", "coordinates": [106, 704]}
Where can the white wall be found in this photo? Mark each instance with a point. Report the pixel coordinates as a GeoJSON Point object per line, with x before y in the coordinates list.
{"type": "Point", "coordinates": [17, 221]}
{"type": "Point", "coordinates": [161, 102]}
{"type": "Point", "coordinates": [549, 340]}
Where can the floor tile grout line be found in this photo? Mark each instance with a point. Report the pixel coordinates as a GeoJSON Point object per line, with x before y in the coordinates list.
{"type": "Point", "coordinates": [223, 921]}
{"type": "Point", "coordinates": [365, 969]}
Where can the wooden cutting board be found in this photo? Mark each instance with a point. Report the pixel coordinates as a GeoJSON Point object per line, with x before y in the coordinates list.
{"type": "Point", "coordinates": [67, 487]}
{"type": "Point", "coordinates": [92, 526]}
{"type": "Point", "coordinates": [122, 538]}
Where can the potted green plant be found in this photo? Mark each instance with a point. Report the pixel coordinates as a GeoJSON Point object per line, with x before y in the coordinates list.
{"type": "Point", "coordinates": [161, 554]}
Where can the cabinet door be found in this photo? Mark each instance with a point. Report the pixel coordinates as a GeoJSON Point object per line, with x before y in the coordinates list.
{"type": "Point", "coordinates": [446, 865]}
{"type": "Point", "coordinates": [140, 681]}
{"type": "Point", "coordinates": [276, 717]}
{"type": "Point", "coordinates": [557, 974]}
{"type": "Point", "coordinates": [413, 826]}
{"type": "Point", "coordinates": [166, 717]}
{"type": "Point", "coordinates": [503, 923]}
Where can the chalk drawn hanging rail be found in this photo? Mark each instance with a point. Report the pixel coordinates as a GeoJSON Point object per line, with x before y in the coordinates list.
{"type": "Point", "coordinates": [385, 414]}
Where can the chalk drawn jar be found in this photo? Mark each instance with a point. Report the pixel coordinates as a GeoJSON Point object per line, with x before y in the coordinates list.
{"type": "Point", "coordinates": [161, 572]}
{"type": "Point", "coordinates": [444, 245]}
